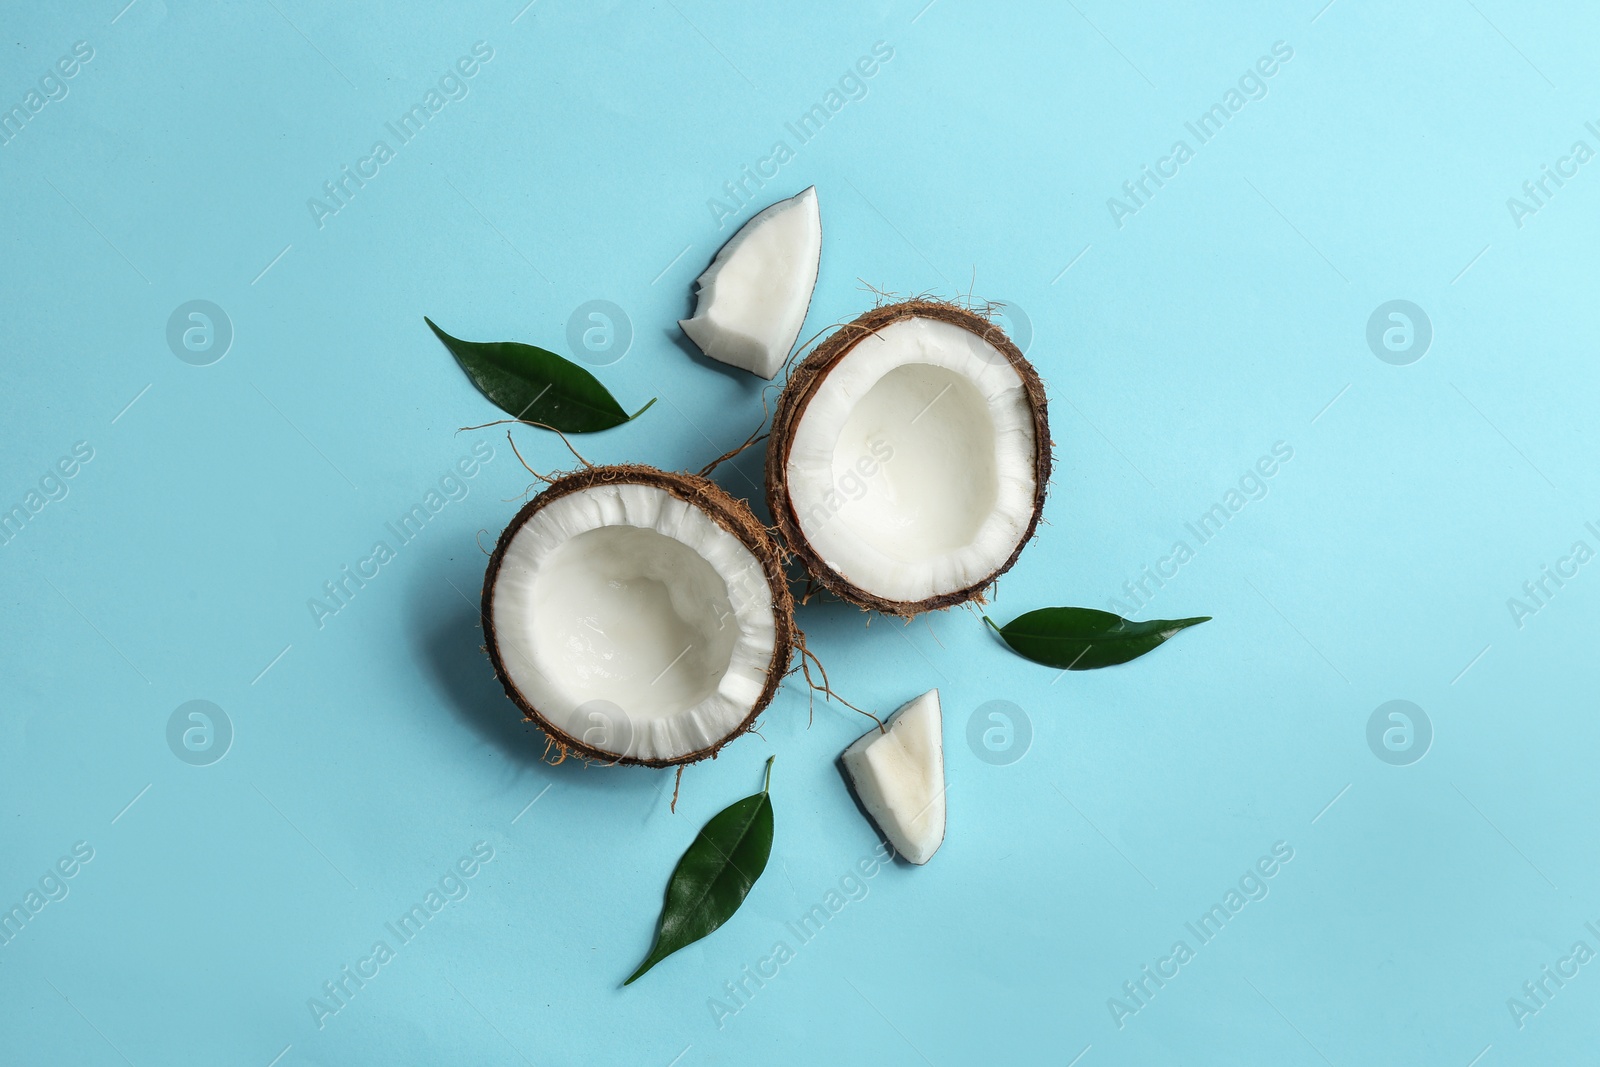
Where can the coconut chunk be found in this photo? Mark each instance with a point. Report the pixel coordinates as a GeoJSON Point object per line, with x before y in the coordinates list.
{"type": "Point", "coordinates": [898, 774]}
{"type": "Point", "coordinates": [754, 296]}
{"type": "Point", "coordinates": [638, 616]}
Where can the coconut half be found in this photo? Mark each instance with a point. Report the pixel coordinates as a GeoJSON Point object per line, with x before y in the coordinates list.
{"type": "Point", "coordinates": [898, 774]}
{"type": "Point", "coordinates": [638, 616]}
{"type": "Point", "coordinates": [909, 458]}
{"type": "Point", "coordinates": [753, 298]}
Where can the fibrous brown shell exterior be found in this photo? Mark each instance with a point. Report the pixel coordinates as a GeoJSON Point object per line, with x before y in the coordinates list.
{"type": "Point", "coordinates": [803, 383]}
{"type": "Point", "coordinates": [731, 514]}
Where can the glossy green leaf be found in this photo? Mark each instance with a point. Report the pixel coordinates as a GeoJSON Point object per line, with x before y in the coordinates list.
{"type": "Point", "coordinates": [711, 880]}
{"type": "Point", "coordinates": [1081, 639]}
{"type": "Point", "coordinates": [536, 385]}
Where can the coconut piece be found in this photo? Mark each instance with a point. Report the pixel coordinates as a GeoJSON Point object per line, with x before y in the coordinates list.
{"type": "Point", "coordinates": [898, 774]}
{"type": "Point", "coordinates": [909, 458]}
{"type": "Point", "coordinates": [638, 616]}
{"type": "Point", "coordinates": [754, 297]}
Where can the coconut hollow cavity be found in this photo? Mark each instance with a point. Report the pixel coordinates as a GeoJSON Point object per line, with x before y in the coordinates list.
{"type": "Point", "coordinates": [638, 616]}
{"type": "Point", "coordinates": [909, 458]}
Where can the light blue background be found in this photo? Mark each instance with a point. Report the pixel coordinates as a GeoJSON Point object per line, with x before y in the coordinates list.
{"type": "Point", "coordinates": [1225, 316]}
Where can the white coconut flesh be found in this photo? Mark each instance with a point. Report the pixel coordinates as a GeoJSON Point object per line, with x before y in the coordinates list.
{"type": "Point", "coordinates": [898, 775]}
{"type": "Point", "coordinates": [912, 468]}
{"type": "Point", "coordinates": [753, 298]}
{"type": "Point", "coordinates": [632, 621]}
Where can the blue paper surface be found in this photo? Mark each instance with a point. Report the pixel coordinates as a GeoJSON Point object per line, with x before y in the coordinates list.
{"type": "Point", "coordinates": [1350, 244]}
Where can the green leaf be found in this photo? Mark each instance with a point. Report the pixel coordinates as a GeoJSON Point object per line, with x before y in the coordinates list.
{"type": "Point", "coordinates": [711, 880]}
{"type": "Point", "coordinates": [1081, 639]}
{"type": "Point", "coordinates": [536, 385]}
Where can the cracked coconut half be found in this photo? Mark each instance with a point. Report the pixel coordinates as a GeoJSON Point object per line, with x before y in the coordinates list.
{"type": "Point", "coordinates": [909, 457]}
{"type": "Point", "coordinates": [638, 616]}
{"type": "Point", "coordinates": [753, 298]}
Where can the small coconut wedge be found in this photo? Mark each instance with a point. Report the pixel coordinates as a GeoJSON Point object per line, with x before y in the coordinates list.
{"type": "Point", "coordinates": [753, 298]}
{"type": "Point", "coordinates": [909, 458]}
{"type": "Point", "coordinates": [898, 774]}
{"type": "Point", "coordinates": [638, 616]}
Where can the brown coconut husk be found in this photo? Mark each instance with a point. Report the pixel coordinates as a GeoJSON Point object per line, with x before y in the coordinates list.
{"type": "Point", "coordinates": [732, 515]}
{"type": "Point", "coordinates": [803, 384]}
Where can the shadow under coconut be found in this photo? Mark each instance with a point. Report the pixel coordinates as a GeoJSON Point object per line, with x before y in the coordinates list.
{"type": "Point", "coordinates": [681, 341]}
{"type": "Point", "coordinates": [450, 644]}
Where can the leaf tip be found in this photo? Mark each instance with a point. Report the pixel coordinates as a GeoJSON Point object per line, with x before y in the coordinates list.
{"type": "Point", "coordinates": [649, 962]}
{"type": "Point", "coordinates": [1179, 625]}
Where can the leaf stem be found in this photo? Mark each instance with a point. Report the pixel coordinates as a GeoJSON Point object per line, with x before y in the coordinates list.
{"type": "Point", "coordinates": [644, 409]}
{"type": "Point", "coordinates": [768, 783]}
{"type": "Point", "coordinates": [992, 626]}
